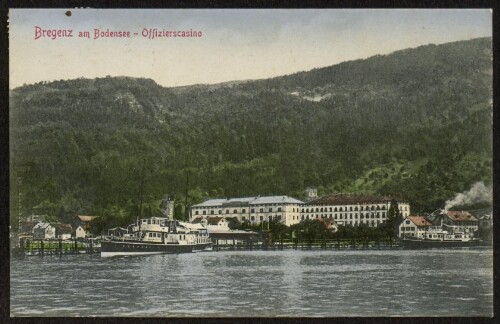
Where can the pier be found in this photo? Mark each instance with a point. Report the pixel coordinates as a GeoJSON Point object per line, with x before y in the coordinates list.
{"type": "Point", "coordinates": [58, 247]}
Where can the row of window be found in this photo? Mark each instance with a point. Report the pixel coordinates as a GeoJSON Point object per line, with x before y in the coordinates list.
{"type": "Point", "coordinates": [261, 218]}
{"type": "Point", "coordinates": [350, 216]}
{"type": "Point", "coordinates": [243, 211]}
{"type": "Point", "coordinates": [312, 210]}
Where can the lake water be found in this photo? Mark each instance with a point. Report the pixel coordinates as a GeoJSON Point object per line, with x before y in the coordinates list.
{"type": "Point", "coordinates": [257, 283]}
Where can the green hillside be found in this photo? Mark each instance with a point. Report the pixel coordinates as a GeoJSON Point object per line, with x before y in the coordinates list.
{"type": "Point", "coordinates": [417, 122]}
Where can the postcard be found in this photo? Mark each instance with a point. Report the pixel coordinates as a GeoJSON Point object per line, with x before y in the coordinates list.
{"type": "Point", "coordinates": [251, 162]}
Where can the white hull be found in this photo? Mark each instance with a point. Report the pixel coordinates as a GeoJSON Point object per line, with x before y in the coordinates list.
{"type": "Point", "coordinates": [112, 254]}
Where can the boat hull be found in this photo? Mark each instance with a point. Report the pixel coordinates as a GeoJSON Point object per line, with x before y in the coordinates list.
{"type": "Point", "coordinates": [202, 247]}
{"type": "Point", "coordinates": [429, 244]}
{"type": "Point", "coordinates": [116, 248]}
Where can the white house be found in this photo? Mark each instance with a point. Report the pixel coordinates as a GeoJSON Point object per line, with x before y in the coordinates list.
{"type": "Point", "coordinates": [414, 226]}
{"type": "Point", "coordinates": [352, 209]}
{"type": "Point", "coordinates": [44, 231]}
{"type": "Point", "coordinates": [255, 210]}
{"type": "Point", "coordinates": [79, 232]}
{"type": "Point", "coordinates": [63, 231]}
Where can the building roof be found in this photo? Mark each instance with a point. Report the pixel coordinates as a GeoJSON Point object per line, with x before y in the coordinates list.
{"type": "Point", "coordinates": [29, 224]}
{"type": "Point", "coordinates": [197, 220]}
{"type": "Point", "coordinates": [275, 200]}
{"type": "Point", "coordinates": [352, 199]}
{"type": "Point", "coordinates": [420, 220]}
{"type": "Point", "coordinates": [63, 228]}
{"type": "Point", "coordinates": [249, 201]}
{"type": "Point", "coordinates": [213, 220]}
{"type": "Point", "coordinates": [460, 216]}
{"type": "Point", "coordinates": [84, 218]}
{"type": "Point", "coordinates": [41, 225]}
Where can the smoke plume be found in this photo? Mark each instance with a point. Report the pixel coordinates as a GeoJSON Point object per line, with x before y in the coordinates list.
{"type": "Point", "coordinates": [478, 193]}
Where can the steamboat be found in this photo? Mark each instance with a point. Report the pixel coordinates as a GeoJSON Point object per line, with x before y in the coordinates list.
{"type": "Point", "coordinates": [439, 237]}
{"type": "Point", "coordinates": [156, 235]}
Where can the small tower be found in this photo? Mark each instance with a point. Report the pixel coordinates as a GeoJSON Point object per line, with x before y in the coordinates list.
{"type": "Point", "coordinates": [310, 194]}
{"type": "Point", "coordinates": [167, 207]}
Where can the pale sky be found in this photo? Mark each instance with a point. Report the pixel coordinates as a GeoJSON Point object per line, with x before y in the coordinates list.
{"type": "Point", "coordinates": [236, 44]}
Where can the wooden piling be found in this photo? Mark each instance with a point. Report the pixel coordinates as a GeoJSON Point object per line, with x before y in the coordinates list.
{"type": "Point", "coordinates": [60, 247]}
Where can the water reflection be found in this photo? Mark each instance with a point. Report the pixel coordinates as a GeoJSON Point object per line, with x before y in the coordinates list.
{"type": "Point", "coordinates": [257, 283]}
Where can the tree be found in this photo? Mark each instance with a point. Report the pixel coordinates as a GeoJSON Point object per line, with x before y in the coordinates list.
{"type": "Point", "coordinates": [394, 218]}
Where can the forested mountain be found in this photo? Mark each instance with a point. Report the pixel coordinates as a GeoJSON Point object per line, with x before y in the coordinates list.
{"type": "Point", "coordinates": [417, 123]}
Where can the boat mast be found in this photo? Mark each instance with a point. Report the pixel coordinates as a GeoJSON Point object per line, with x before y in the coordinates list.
{"type": "Point", "coordinates": [141, 192]}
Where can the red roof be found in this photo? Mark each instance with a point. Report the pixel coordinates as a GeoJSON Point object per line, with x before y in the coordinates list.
{"type": "Point", "coordinates": [328, 222]}
{"type": "Point", "coordinates": [352, 199]}
{"type": "Point", "coordinates": [214, 220]}
{"type": "Point", "coordinates": [460, 216]}
{"type": "Point", "coordinates": [420, 220]}
{"type": "Point", "coordinates": [197, 220]}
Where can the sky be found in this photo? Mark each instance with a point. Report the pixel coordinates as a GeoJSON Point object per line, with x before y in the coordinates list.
{"type": "Point", "coordinates": [236, 44]}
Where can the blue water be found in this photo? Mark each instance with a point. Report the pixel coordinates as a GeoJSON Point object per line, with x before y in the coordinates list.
{"type": "Point", "coordinates": [257, 283]}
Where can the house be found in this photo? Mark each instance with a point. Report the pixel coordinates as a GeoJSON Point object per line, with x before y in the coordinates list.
{"type": "Point", "coordinates": [117, 231]}
{"type": "Point", "coordinates": [26, 230]}
{"type": "Point", "coordinates": [486, 222]}
{"type": "Point", "coordinates": [79, 232]}
{"type": "Point", "coordinates": [354, 210]}
{"type": "Point", "coordinates": [35, 218]}
{"type": "Point", "coordinates": [43, 231]}
{"type": "Point", "coordinates": [461, 220]}
{"type": "Point", "coordinates": [414, 226]}
{"type": "Point", "coordinates": [255, 210]}
{"type": "Point", "coordinates": [85, 221]}
{"type": "Point", "coordinates": [217, 224]}
{"type": "Point", "coordinates": [63, 231]}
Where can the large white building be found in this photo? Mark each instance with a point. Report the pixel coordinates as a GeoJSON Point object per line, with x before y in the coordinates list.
{"type": "Point", "coordinates": [252, 209]}
{"type": "Point", "coordinates": [352, 209]}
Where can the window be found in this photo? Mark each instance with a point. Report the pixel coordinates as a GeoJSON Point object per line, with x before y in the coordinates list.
{"type": "Point", "coordinates": [261, 210]}
{"type": "Point", "coordinates": [252, 210]}
{"type": "Point", "coordinates": [227, 211]}
{"type": "Point", "coordinates": [270, 210]}
{"type": "Point", "coordinates": [220, 211]}
{"type": "Point", "coordinates": [235, 211]}
{"type": "Point", "coordinates": [204, 212]}
{"type": "Point", "coordinates": [330, 208]}
{"type": "Point", "coordinates": [340, 209]}
{"type": "Point", "coordinates": [261, 218]}
{"type": "Point", "coordinates": [196, 212]}
{"type": "Point", "coordinates": [211, 212]}
{"type": "Point", "coordinates": [350, 208]}
{"type": "Point", "coordinates": [243, 218]}
{"type": "Point", "coordinates": [252, 218]}
{"type": "Point", "coordinates": [279, 209]}
{"type": "Point", "coordinates": [243, 211]}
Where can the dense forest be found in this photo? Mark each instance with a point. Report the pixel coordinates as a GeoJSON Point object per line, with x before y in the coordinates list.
{"type": "Point", "coordinates": [417, 123]}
